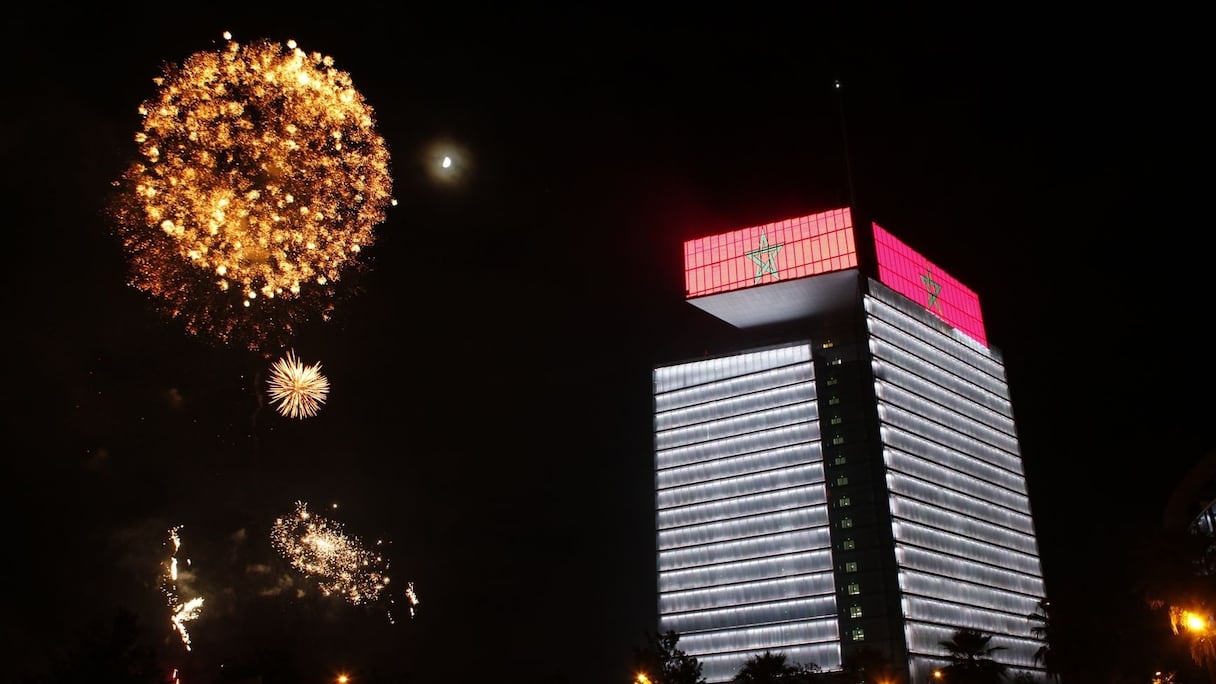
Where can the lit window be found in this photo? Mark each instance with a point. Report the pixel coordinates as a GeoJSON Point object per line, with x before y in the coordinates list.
{"type": "Point", "coordinates": [842, 480]}
{"type": "Point", "coordinates": [841, 460]}
{"type": "Point", "coordinates": [835, 362]}
{"type": "Point", "coordinates": [844, 501]}
{"type": "Point", "coordinates": [833, 401]}
{"type": "Point", "coordinates": [848, 545]}
{"type": "Point", "coordinates": [831, 381]}
{"type": "Point", "coordinates": [838, 439]}
{"type": "Point", "coordinates": [846, 522]}
{"type": "Point", "coordinates": [854, 611]}
{"type": "Point", "coordinates": [854, 588]}
{"type": "Point", "coordinates": [851, 566]}
{"type": "Point", "coordinates": [859, 634]}
{"type": "Point", "coordinates": [837, 420]}
{"type": "Point", "coordinates": [828, 344]}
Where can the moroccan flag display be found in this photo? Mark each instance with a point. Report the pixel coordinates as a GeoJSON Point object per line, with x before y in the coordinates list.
{"type": "Point", "coordinates": [782, 250]}
{"type": "Point", "coordinates": [904, 270]}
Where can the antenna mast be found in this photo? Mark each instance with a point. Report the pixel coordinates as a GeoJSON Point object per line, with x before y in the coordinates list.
{"type": "Point", "coordinates": [844, 135]}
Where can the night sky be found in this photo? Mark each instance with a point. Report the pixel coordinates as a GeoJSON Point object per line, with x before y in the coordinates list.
{"type": "Point", "coordinates": [489, 416]}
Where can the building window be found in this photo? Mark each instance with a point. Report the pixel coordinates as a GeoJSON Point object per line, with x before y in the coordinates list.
{"type": "Point", "coordinates": [831, 381]}
{"type": "Point", "coordinates": [843, 479]}
{"type": "Point", "coordinates": [859, 634]}
{"type": "Point", "coordinates": [854, 611]}
{"type": "Point", "coordinates": [836, 420]}
{"type": "Point", "coordinates": [844, 502]}
{"type": "Point", "coordinates": [848, 545]}
{"type": "Point", "coordinates": [851, 566]}
{"type": "Point", "coordinates": [854, 588]}
{"type": "Point", "coordinates": [841, 460]}
{"type": "Point", "coordinates": [828, 344]}
{"type": "Point", "coordinates": [835, 361]}
{"type": "Point", "coordinates": [838, 439]}
{"type": "Point", "coordinates": [846, 523]}
{"type": "Point", "coordinates": [833, 401]}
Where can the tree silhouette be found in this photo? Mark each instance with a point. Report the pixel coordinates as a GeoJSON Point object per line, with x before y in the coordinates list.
{"type": "Point", "coordinates": [773, 668]}
{"type": "Point", "coordinates": [662, 661]}
{"type": "Point", "coordinates": [107, 654]}
{"type": "Point", "coordinates": [871, 666]}
{"type": "Point", "coordinates": [971, 658]}
{"type": "Point", "coordinates": [1175, 566]}
{"type": "Point", "coordinates": [1044, 629]}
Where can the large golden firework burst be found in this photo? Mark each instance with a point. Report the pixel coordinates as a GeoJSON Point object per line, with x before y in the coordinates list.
{"type": "Point", "coordinates": [260, 180]}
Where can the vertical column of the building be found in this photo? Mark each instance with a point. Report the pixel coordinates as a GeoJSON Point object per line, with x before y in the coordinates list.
{"type": "Point", "coordinates": [744, 562]}
{"type": "Point", "coordinates": [867, 593]}
{"type": "Point", "coordinates": [960, 515]}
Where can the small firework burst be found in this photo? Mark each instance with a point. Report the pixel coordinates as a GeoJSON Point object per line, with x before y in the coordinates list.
{"type": "Point", "coordinates": [338, 562]}
{"type": "Point", "coordinates": [297, 390]}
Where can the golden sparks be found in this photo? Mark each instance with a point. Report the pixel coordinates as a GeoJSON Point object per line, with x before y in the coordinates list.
{"type": "Point", "coordinates": [183, 612]}
{"type": "Point", "coordinates": [259, 182]}
{"type": "Point", "coordinates": [338, 562]}
{"type": "Point", "coordinates": [297, 390]}
{"type": "Point", "coordinates": [412, 597]}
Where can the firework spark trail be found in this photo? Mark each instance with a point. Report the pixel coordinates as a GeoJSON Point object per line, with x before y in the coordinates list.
{"type": "Point", "coordinates": [297, 390]}
{"type": "Point", "coordinates": [412, 597]}
{"type": "Point", "coordinates": [185, 613]}
{"type": "Point", "coordinates": [259, 182]}
{"type": "Point", "coordinates": [339, 563]}
{"type": "Point", "coordinates": [182, 612]}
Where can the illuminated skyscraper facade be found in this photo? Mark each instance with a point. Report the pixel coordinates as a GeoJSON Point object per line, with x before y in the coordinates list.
{"type": "Point", "coordinates": [853, 482]}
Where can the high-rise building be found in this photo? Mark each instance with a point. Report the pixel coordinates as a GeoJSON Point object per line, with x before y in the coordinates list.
{"type": "Point", "coordinates": [851, 482]}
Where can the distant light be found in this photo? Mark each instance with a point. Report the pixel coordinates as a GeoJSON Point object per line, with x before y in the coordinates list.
{"type": "Point", "coordinates": [447, 162]}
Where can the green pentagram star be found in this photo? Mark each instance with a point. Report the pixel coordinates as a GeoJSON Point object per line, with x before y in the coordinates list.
{"type": "Point", "coordinates": [763, 264]}
{"type": "Point", "coordinates": [935, 291]}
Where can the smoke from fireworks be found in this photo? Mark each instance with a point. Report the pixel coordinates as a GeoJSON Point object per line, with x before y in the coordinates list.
{"type": "Point", "coordinates": [339, 563]}
{"type": "Point", "coordinates": [182, 612]}
{"type": "Point", "coordinates": [261, 177]}
{"type": "Point", "coordinates": [298, 391]}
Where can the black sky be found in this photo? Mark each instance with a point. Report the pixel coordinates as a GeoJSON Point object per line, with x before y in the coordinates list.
{"type": "Point", "coordinates": [490, 404]}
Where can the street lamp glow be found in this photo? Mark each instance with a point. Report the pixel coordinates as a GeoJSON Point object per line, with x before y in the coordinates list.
{"type": "Point", "coordinates": [1194, 622]}
{"type": "Point", "coordinates": [642, 678]}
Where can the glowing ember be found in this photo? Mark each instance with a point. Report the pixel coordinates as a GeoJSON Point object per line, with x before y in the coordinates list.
{"type": "Point", "coordinates": [412, 597]}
